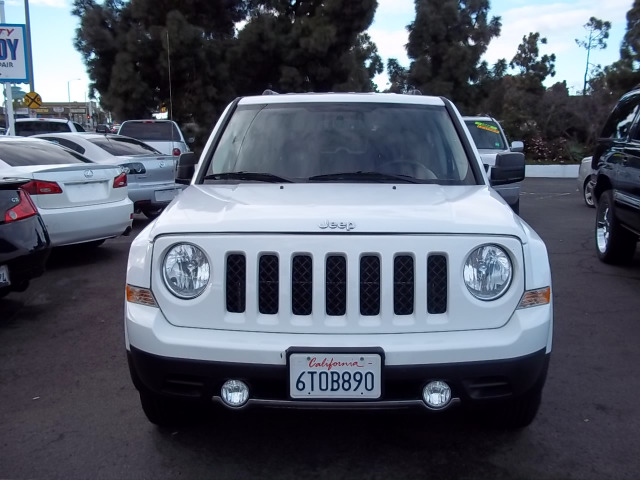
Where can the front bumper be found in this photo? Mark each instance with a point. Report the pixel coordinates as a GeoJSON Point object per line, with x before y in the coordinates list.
{"type": "Point", "coordinates": [480, 365]}
{"type": "Point", "coordinates": [472, 383]}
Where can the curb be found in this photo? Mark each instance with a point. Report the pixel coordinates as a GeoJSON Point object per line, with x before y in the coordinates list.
{"type": "Point", "coordinates": [551, 171]}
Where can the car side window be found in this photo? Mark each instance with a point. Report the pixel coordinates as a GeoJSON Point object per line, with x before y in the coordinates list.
{"type": "Point", "coordinates": [66, 143]}
{"type": "Point", "coordinates": [619, 123]}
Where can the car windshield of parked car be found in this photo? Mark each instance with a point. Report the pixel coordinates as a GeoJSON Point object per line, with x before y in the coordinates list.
{"type": "Point", "coordinates": [305, 141]}
{"type": "Point", "coordinates": [486, 135]}
{"type": "Point", "coordinates": [26, 129]}
{"type": "Point", "coordinates": [122, 146]}
{"type": "Point", "coordinates": [150, 131]}
{"type": "Point", "coordinates": [20, 154]}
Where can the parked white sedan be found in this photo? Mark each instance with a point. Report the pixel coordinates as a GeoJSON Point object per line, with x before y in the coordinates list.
{"type": "Point", "coordinates": [150, 173]}
{"type": "Point", "coordinates": [586, 181]}
{"type": "Point", "coordinates": [79, 201]}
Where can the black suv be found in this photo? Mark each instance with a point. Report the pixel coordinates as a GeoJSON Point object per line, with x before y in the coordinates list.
{"type": "Point", "coordinates": [617, 191]}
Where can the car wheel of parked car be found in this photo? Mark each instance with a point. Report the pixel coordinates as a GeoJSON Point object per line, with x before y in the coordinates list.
{"type": "Point", "coordinates": [614, 243]}
{"type": "Point", "coordinates": [152, 213]}
{"type": "Point", "coordinates": [587, 192]}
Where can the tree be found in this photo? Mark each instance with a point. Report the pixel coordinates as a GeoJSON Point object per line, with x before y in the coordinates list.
{"type": "Point", "coordinates": [317, 45]}
{"type": "Point", "coordinates": [446, 42]}
{"type": "Point", "coordinates": [597, 34]}
{"type": "Point", "coordinates": [528, 61]}
{"type": "Point", "coordinates": [398, 77]}
{"type": "Point", "coordinates": [128, 46]}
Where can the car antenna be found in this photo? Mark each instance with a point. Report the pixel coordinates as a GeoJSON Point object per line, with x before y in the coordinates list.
{"type": "Point", "coordinates": [170, 92]}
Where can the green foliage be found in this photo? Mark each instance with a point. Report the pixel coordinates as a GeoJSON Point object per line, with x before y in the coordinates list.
{"type": "Point", "coordinates": [319, 45]}
{"type": "Point", "coordinates": [597, 34]}
{"type": "Point", "coordinates": [187, 55]}
{"type": "Point", "coordinates": [446, 42]}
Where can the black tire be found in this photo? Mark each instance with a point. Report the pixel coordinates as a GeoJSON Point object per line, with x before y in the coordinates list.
{"type": "Point", "coordinates": [614, 243]}
{"type": "Point", "coordinates": [587, 192]}
{"type": "Point", "coordinates": [152, 213]}
{"type": "Point", "coordinates": [164, 412]}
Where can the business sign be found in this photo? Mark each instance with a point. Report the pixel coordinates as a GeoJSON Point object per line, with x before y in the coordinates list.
{"type": "Point", "coordinates": [13, 54]}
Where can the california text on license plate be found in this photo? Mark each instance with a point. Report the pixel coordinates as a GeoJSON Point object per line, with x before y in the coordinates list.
{"type": "Point", "coordinates": [335, 376]}
{"type": "Point", "coordinates": [4, 276]}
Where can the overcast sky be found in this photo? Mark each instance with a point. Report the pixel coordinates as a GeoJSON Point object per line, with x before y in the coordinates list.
{"type": "Point", "coordinates": [59, 70]}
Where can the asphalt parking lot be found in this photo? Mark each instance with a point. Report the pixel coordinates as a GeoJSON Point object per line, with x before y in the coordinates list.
{"type": "Point", "coordinates": [68, 408]}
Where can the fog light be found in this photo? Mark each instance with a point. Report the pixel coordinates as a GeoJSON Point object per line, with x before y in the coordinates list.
{"type": "Point", "coordinates": [234, 393]}
{"type": "Point", "coordinates": [436, 394]}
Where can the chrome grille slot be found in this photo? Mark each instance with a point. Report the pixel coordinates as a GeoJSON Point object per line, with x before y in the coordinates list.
{"type": "Point", "coordinates": [302, 285]}
{"type": "Point", "coordinates": [236, 283]}
{"type": "Point", "coordinates": [268, 283]}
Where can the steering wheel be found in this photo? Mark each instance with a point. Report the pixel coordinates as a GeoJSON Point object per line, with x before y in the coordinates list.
{"type": "Point", "coordinates": [419, 170]}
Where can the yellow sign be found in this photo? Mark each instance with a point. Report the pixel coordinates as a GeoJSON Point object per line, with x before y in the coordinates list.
{"type": "Point", "coordinates": [32, 100]}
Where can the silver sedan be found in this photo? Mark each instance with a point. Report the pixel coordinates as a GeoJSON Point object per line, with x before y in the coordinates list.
{"type": "Point", "coordinates": [586, 181]}
{"type": "Point", "coordinates": [150, 174]}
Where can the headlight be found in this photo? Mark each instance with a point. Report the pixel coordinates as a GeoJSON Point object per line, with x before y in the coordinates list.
{"type": "Point", "coordinates": [487, 272]}
{"type": "Point", "coordinates": [185, 270]}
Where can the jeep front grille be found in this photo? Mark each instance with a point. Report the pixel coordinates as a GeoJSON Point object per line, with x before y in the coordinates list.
{"type": "Point", "coordinates": [300, 284]}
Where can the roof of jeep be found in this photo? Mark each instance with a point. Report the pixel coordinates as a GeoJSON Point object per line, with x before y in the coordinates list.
{"type": "Point", "coordinates": [341, 98]}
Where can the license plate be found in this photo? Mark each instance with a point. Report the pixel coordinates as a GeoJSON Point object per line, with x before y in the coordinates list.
{"type": "Point", "coordinates": [165, 195]}
{"type": "Point", "coordinates": [335, 376]}
{"type": "Point", "coordinates": [4, 276]}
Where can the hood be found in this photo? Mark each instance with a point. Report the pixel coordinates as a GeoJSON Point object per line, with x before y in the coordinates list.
{"type": "Point", "coordinates": [339, 208]}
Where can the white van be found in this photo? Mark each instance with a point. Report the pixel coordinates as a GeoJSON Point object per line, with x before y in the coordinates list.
{"type": "Point", "coordinates": [25, 127]}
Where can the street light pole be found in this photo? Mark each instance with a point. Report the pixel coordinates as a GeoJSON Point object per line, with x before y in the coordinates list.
{"type": "Point", "coordinates": [69, 89]}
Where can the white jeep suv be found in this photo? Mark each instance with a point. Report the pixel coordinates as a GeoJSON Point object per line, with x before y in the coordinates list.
{"type": "Point", "coordinates": [340, 251]}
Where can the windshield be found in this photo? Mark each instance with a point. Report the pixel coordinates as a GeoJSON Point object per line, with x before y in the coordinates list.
{"type": "Point", "coordinates": [23, 153]}
{"type": "Point", "coordinates": [122, 146]}
{"type": "Point", "coordinates": [150, 130]}
{"type": "Point", "coordinates": [299, 141]}
{"type": "Point", "coordinates": [486, 135]}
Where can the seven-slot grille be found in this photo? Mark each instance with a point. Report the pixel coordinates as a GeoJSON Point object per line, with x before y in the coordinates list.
{"type": "Point", "coordinates": [300, 283]}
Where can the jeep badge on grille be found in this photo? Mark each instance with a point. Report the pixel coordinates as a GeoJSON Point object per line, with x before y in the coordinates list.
{"type": "Point", "coordinates": [348, 226]}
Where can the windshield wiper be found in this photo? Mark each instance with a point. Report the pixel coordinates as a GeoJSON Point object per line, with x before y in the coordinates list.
{"type": "Point", "coordinates": [367, 176]}
{"type": "Point", "coordinates": [255, 176]}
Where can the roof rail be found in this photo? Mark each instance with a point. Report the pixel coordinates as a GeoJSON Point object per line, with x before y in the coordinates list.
{"type": "Point", "coordinates": [268, 91]}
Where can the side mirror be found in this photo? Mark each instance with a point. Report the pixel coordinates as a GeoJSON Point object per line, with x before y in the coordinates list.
{"type": "Point", "coordinates": [509, 168]}
{"type": "Point", "coordinates": [186, 168]}
{"type": "Point", "coordinates": [190, 140]}
{"type": "Point", "coordinates": [517, 146]}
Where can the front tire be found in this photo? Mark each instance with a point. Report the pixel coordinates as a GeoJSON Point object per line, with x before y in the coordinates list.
{"type": "Point", "coordinates": [587, 192]}
{"type": "Point", "coordinates": [614, 243]}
